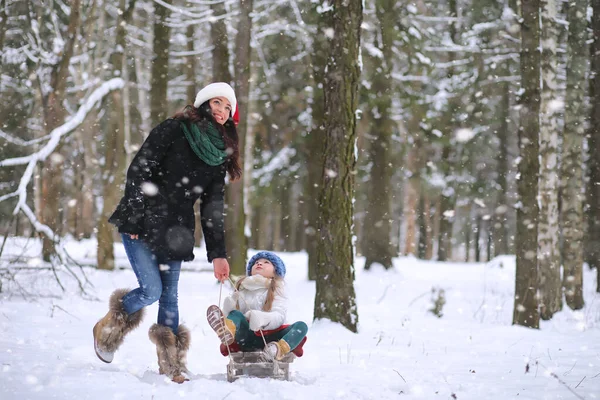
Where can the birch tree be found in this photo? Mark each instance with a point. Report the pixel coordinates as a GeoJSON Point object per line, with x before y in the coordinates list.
{"type": "Point", "coordinates": [548, 255]}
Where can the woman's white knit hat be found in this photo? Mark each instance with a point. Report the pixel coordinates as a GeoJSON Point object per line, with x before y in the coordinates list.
{"type": "Point", "coordinates": [217, 89]}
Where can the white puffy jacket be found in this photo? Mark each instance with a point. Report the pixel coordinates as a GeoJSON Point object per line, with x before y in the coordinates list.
{"type": "Point", "coordinates": [251, 298]}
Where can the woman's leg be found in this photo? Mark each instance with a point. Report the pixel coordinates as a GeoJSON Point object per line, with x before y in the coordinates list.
{"type": "Point", "coordinates": [168, 309]}
{"type": "Point", "coordinates": [145, 267]}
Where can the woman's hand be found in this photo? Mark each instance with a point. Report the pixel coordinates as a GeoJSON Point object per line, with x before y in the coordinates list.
{"type": "Point", "coordinates": [221, 267]}
{"type": "Point", "coordinates": [133, 236]}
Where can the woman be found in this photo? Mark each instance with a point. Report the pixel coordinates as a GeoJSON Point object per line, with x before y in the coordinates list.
{"type": "Point", "coordinates": [184, 158]}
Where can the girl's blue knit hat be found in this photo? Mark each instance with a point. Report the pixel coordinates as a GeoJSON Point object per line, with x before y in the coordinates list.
{"type": "Point", "coordinates": [275, 260]}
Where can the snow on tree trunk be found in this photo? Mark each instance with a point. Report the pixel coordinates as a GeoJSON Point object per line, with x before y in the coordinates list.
{"type": "Point", "coordinates": [572, 160]}
{"type": "Point", "coordinates": [160, 64]}
{"type": "Point", "coordinates": [548, 254]}
{"type": "Point", "coordinates": [525, 311]}
{"type": "Point", "coordinates": [335, 295]}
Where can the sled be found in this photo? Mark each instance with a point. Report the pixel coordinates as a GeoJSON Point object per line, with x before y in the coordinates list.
{"type": "Point", "coordinates": [250, 364]}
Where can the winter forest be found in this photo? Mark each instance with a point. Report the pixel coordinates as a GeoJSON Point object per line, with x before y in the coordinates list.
{"type": "Point", "coordinates": [373, 134]}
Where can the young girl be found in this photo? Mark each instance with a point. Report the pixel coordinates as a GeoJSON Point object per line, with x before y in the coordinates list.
{"type": "Point", "coordinates": [257, 305]}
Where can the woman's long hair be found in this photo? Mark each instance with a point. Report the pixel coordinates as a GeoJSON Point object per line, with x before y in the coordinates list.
{"type": "Point", "coordinates": [274, 289]}
{"type": "Point", "coordinates": [203, 114]}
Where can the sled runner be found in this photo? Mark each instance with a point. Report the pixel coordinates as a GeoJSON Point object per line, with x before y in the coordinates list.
{"type": "Point", "coordinates": [252, 364]}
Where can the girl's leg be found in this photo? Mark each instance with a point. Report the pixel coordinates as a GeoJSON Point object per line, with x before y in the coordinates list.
{"type": "Point", "coordinates": [292, 335]}
{"type": "Point", "coordinates": [244, 336]}
{"type": "Point", "coordinates": [146, 270]}
{"type": "Point", "coordinates": [168, 309]}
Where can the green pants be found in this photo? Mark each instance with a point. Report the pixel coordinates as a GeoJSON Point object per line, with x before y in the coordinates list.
{"type": "Point", "coordinates": [249, 340]}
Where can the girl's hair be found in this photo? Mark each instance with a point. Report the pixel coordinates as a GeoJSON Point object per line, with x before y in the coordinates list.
{"type": "Point", "coordinates": [274, 289]}
{"type": "Point", "coordinates": [203, 114]}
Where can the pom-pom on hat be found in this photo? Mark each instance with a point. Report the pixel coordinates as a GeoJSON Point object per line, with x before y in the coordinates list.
{"type": "Point", "coordinates": [275, 260]}
{"type": "Point", "coordinates": [217, 89]}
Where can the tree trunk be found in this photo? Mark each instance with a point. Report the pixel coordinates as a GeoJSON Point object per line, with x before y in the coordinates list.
{"type": "Point", "coordinates": [160, 65]}
{"type": "Point", "coordinates": [113, 171]}
{"type": "Point", "coordinates": [3, 24]}
{"type": "Point", "coordinates": [52, 172]}
{"type": "Point", "coordinates": [548, 255]}
{"type": "Point", "coordinates": [190, 74]}
{"type": "Point", "coordinates": [468, 228]}
{"type": "Point", "coordinates": [377, 233]}
{"type": "Point", "coordinates": [275, 224]}
{"type": "Point", "coordinates": [526, 303]}
{"type": "Point", "coordinates": [190, 66]}
{"type": "Point", "coordinates": [236, 239]}
{"type": "Point", "coordinates": [411, 194]}
{"type": "Point", "coordinates": [477, 239]}
{"type": "Point", "coordinates": [500, 229]}
{"type": "Point", "coordinates": [219, 40]}
{"type": "Point", "coordinates": [85, 203]}
{"type": "Point", "coordinates": [446, 214]}
{"type": "Point", "coordinates": [593, 186]}
{"type": "Point", "coordinates": [572, 160]}
{"type": "Point", "coordinates": [448, 197]}
{"type": "Point", "coordinates": [422, 222]}
{"type": "Point", "coordinates": [429, 227]}
{"type": "Point", "coordinates": [315, 141]}
{"type": "Point", "coordinates": [335, 296]}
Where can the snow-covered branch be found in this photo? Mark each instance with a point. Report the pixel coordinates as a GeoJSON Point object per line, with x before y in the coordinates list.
{"type": "Point", "coordinates": [44, 152]}
{"type": "Point", "coordinates": [279, 161]}
{"type": "Point", "coordinates": [19, 141]}
{"type": "Point", "coordinates": [69, 126]}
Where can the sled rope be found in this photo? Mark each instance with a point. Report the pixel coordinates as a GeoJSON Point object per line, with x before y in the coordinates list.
{"type": "Point", "coordinates": [219, 304]}
{"type": "Point", "coordinates": [275, 364]}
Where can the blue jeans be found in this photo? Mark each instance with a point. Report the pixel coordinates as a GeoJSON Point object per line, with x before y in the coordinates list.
{"type": "Point", "coordinates": [157, 282]}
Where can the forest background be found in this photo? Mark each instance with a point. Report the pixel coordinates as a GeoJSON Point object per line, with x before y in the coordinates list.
{"type": "Point", "coordinates": [473, 128]}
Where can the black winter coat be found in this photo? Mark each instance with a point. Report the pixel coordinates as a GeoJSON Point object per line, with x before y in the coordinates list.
{"type": "Point", "coordinates": [164, 181]}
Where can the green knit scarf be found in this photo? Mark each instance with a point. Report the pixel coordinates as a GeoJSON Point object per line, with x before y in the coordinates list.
{"type": "Point", "coordinates": [208, 144]}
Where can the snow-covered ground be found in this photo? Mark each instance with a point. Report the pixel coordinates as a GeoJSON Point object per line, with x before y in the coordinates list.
{"type": "Point", "coordinates": [402, 350]}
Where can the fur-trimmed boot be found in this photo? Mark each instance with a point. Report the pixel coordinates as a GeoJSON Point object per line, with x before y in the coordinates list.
{"type": "Point", "coordinates": [171, 350]}
{"type": "Point", "coordinates": [110, 331]}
